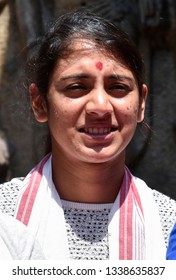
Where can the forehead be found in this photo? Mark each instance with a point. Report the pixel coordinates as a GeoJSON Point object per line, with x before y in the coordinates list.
{"type": "Point", "coordinates": [82, 52]}
{"type": "Point", "coordinates": [81, 47]}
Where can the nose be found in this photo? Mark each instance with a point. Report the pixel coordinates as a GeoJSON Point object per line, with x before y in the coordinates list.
{"type": "Point", "coordinates": [99, 103]}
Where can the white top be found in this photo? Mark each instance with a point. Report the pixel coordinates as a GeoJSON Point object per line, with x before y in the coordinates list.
{"type": "Point", "coordinates": [132, 233]}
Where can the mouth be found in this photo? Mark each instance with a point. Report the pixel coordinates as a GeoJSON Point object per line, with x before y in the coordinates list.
{"type": "Point", "coordinates": [97, 131]}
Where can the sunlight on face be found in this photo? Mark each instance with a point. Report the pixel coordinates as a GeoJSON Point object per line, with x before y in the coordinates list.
{"type": "Point", "coordinates": [93, 105]}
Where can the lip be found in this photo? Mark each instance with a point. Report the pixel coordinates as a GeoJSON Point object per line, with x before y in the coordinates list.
{"type": "Point", "coordinates": [98, 133]}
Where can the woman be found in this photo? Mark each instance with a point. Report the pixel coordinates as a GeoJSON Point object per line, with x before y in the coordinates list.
{"type": "Point", "coordinates": [86, 80]}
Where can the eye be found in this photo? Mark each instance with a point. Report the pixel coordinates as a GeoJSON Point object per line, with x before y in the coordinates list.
{"type": "Point", "coordinates": [122, 87]}
{"type": "Point", "coordinates": [76, 87]}
{"type": "Point", "coordinates": [76, 90]}
{"type": "Point", "coordinates": [118, 89]}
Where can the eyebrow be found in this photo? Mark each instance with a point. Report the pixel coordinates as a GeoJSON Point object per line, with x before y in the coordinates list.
{"type": "Point", "coordinates": [119, 77]}
{"type": "Point", "coordinates": [80, 76]}
{"type": "Point", "coordinates": [84, 76]}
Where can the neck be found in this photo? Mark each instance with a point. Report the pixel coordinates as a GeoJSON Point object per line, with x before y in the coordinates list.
{"type": "Point", "coordinates": [88, 182]}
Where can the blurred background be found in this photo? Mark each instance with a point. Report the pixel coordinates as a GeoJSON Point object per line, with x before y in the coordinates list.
{"type": "Point", "coordinates": [151, 24]}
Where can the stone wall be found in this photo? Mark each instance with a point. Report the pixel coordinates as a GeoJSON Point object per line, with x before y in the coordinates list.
{"type": "Point", "coordinates": [151, 24]}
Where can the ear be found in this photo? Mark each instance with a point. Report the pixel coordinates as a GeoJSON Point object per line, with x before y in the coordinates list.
{"type": "Point", "coordinates": [38, 104]}
{"type": "Point", "coordinates": [142, 103]}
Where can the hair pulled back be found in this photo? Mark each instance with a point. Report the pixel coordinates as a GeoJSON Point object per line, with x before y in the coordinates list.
{"type": "Point", "coordinates": [56, 44]}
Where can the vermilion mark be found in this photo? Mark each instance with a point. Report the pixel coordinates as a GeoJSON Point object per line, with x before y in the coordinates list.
{"type": "Point", "coordinates": [99, 65]}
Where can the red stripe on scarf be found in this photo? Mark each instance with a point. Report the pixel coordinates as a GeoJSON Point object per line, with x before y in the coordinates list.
{"type": "Point", "coordinates": [129, 253]}
{"type": "Point", "coordinates": [137, 197]}
{"type": "Point", "coordinates": [28, 197]}
{"type": "Point", "coordinates": [128, 194]}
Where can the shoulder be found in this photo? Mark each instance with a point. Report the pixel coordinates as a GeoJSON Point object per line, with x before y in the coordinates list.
{"type": "Point", "coordinates": [165, 204]}
{"type": "Point", "coordinates": [12, 185]}
{"type": "Point", "coordinates": [167, 211]}
{"type": "Point", "coordinates": [166, 207]}
{"type": "Point", "coordinates": [8, 195]}
{"type": "Point", "coordinates": [16, 241]}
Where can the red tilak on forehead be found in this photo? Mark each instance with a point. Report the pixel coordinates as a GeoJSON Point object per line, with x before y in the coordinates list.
{"type": "Point", "coordinates": [99, 65]}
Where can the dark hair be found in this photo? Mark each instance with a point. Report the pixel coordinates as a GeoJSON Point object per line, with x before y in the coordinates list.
{"type": "Point", "coordinates": [56, 44]}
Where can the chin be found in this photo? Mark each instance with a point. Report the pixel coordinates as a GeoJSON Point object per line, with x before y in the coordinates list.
{"type": "Point", "coordinates": [100, 158]}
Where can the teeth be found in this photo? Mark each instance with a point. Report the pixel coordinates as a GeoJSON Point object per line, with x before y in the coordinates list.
{"type": "Point", "coordinates": [97, 131]}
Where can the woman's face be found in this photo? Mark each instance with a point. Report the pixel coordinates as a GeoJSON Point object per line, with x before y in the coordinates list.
{"type": "Point", "coordinates": [93, 105]}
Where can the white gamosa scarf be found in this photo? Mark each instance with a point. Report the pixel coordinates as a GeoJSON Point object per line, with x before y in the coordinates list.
{"type": "Point", "coordinates": [134, 228]}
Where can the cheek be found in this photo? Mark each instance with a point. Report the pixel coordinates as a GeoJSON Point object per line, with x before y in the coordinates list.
{"type": "Point", "coordinates": [132, 106]}
{"type": "Point", "coordinates": [132, 110]}
{"type": "Point", "coordinates": [62, 115]}
{"type": "Point", "coordinates": [127, 110]}
{"type": "Point", "coordinates": [127, 115]}
{"type": "Point", "coordinates": [56, 116]}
